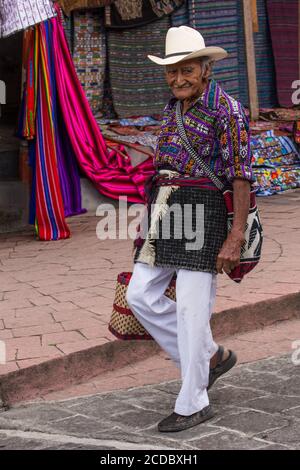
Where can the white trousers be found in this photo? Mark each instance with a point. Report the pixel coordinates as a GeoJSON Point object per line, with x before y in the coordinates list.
{"type": "Point", "coordinates": [181, 328]}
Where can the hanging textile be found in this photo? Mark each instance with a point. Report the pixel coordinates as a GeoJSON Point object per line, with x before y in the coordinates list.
{"type": "Point", "coordinates": [56, 190]}
{"type": "Point", "coordinates": [49, 208]}
{"type": "Point", "coordinates": [217, 22]}
{"type": "Point", "coordinates": [138, 85]}
{"type": "Point", "coordinates": [264, 60]}
{"type": "Point", "coordinates": [71, 5]}
{"type": "Point", "coordinates": [28, 112]}
{"type": "Point", "coordinates": [89, 54]}
{"type": "Point", "coordinates": [17, 15]}
{"type": "Point", "coordinates": [180, 17]}
{"type": "Point", "coordinates": [284, 26]}
{"type": "Point", "coordinates": [132, 13]}
{"type": "Point", "coordinates": [111, 172]}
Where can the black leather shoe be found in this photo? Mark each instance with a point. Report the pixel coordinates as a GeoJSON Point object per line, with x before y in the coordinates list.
{"type": "Point", "coordinates": [222, 366]}
{"type": "Point", "coordinates": [176, 422]}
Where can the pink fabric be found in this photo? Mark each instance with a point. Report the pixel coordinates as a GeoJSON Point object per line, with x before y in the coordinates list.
{"type": "Point", "coordinates": [112, 175]}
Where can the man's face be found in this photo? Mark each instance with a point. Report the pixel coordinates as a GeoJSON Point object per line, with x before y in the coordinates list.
{"type": "Point", "coordinates": [185, 79]}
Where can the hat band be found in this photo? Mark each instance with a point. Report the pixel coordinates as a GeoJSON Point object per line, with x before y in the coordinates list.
{"type": "Point", "coordinates": [178, 53]}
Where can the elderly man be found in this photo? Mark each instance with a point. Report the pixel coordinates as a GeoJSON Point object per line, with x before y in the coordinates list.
{"type": "Point", "coordinates": [217, 128]}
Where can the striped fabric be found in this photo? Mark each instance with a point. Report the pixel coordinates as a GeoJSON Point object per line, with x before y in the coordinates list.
{"type": "Point", "coordinates": [217, 22]}
{"type": "Point", "coordinates": [284, 26]}
{"type": "Point", "coordinates": [90, 54]}
{"type": "Point", "coordinates": [138, 85]}
{"type": "Point", "coordinates": [56, 190]}
{"type": "Point", "coordinates": [49, 208]}
{"type": "Point", "coordinates": [265, 69]}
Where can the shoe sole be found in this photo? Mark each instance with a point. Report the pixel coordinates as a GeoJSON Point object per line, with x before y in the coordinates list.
{"type": "Point", "coordinates": [228, 364]}
{"type": "Point", "coordinates": [208, 416]}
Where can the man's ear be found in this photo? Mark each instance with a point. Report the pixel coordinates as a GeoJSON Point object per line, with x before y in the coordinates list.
{"type": "Point", "coordinates": [208, 71]}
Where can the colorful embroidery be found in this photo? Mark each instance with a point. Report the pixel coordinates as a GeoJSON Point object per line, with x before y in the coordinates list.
{"type": "Point", "coordinates": [217, 127]}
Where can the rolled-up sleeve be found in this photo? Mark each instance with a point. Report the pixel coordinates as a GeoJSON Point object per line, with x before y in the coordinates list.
{"type": "Point", "coordinates": [234, 141]}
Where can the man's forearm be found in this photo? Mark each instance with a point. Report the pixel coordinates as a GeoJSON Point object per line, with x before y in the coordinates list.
{"type": "Point", "coordinates": [241, 200]}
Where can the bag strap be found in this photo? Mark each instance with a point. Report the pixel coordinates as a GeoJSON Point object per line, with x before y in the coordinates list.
{"type": "Point", "coordinates": [187, 145]}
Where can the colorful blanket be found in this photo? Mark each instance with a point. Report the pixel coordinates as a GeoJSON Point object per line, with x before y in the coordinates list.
{"type": "Point", "coordinates": [265, 67]}
{"type": "Point", "coordinates": [89, 54]}
{"type": "Point", "coordinates": [138, 85]}
{"type": "Point", "coordinates": [218, 23]}
{"type": "Point", "coordinates": [276, 163]}
{"type": "Point", "coordinates": [284, 26]}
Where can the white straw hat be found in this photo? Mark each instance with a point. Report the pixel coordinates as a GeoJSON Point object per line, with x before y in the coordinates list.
{"type": "Point", "coordinates": [184, 43]}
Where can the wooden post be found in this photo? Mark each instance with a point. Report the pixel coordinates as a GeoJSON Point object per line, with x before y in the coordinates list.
{"type": "Point", "coordinates": [251, 67]}
{"type": "Point", "coordinates": [254, 16]}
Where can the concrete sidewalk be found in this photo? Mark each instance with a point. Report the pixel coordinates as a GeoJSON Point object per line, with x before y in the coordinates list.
{"type": "Point", "coordinates": [56, 299]}
{"type": "Point", "coordinates": [257, 406]}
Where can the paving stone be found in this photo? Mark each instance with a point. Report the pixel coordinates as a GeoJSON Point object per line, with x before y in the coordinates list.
{"type": "Point", "coordinates": [289, 435]}
{"type": "Point", "coordinates": [36, 414]}
{"type": "Point", "coordinates": [252, 380]}
{"type": "Point", "coordinates": [100, 408]}
{"type": "Point", "coordinates": [232, 395]}
{"type": "Point", "coordinates": [293, 412]}
{"type": "Point", "coordinates": [137, 419]}
{"type": "Point", "coordinates": [80, 426]}
{"type": "Point", "coordinates": [274, 403]}
{"type": "Point", "coordinates": [277, 447]}
{"type": "Point", "coordinates": [171, 388]}
{"type": "Point", "coordinates": [225, 440]}
{"type": "Point", "coordinates": [278, 365]}
{"type": "Point", "coordinates": [17, 443]}
{"type": "Point", "coordinates": [251, 422]}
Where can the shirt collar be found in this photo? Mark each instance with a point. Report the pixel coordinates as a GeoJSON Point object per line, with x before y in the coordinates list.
{"type": "Point", "coordinates": [209, 99]}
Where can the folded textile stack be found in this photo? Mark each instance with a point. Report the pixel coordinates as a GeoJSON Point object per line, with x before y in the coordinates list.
{"type": "Point", "coordinates": [276, 163]}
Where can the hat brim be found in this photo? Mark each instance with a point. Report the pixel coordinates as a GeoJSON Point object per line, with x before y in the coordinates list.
{"type": "Point", "coordinates": [215, 53]}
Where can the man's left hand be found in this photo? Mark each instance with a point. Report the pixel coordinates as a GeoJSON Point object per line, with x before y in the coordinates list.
{"type": "Point", "coordinates": [230, 253]}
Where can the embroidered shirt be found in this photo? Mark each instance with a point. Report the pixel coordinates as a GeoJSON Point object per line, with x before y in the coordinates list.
{"type": "Point", "coordinates": [218, 129]}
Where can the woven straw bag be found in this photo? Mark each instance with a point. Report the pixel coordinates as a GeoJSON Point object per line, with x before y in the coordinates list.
{"type": "Point", "coordinates": [123, 323]}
